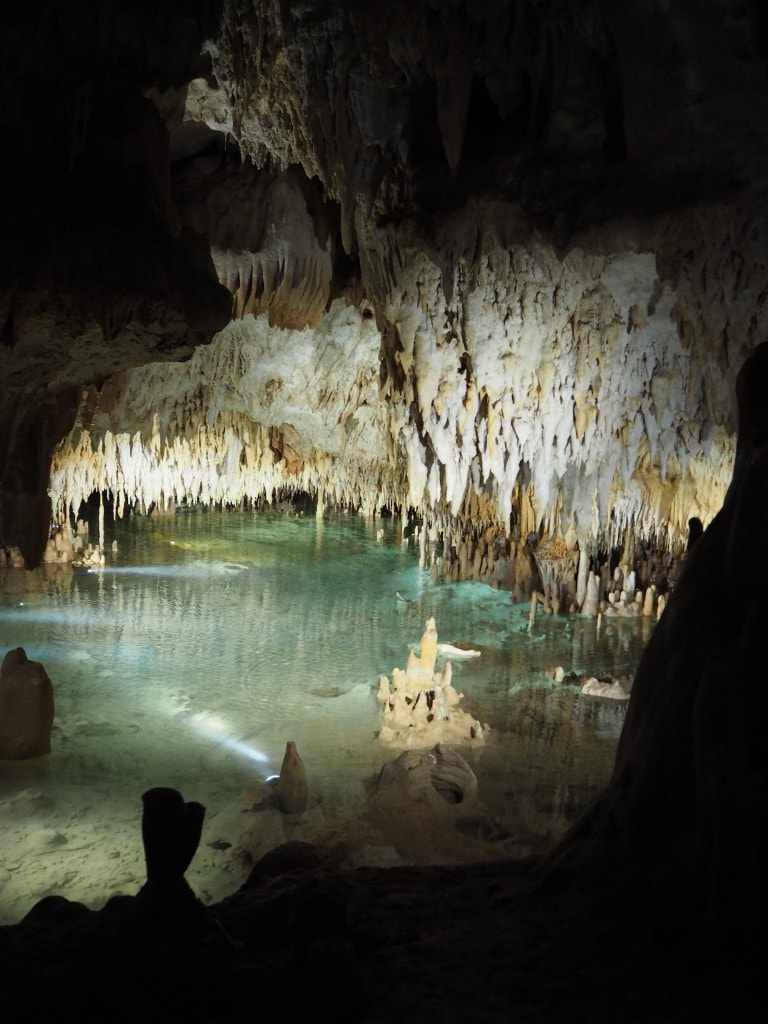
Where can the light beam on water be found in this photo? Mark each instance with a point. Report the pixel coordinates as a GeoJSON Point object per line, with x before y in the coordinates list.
{"type": "Point", "coordinates": [212, 639]}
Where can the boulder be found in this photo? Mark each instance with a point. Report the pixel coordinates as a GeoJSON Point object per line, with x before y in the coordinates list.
{"type": "Point", "coordinates": [427, 806]}
{"type": "Point", "coordinates": [26, 707]}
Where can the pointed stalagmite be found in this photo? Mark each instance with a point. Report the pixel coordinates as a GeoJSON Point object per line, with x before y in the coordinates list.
{"type": "Point", "coordinates": [292, 785]}
{"type": "Point", "coordinates": [429, 646]}
{"type": "Point", "coordinates": [590, 606]}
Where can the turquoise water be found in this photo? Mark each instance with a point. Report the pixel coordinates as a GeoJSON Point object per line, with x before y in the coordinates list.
{"type": "Point", "coordinates": [211, 638]}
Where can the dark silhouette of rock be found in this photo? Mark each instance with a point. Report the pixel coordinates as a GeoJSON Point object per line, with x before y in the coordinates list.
{"type": "Point", "coordinates": [290, 857]}
{"type": "Point", "coordinates": [695, 530]}
{"type": "Point", "coordinates": [170, 830]}
{"type": "Point", "coordinates": [683, 821]}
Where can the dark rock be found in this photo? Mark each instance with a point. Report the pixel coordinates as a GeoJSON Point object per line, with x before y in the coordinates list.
{"type": "Point", "coordinates": [26, 708]}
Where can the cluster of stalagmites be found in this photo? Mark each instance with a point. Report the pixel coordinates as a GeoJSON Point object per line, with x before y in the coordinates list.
{"type": "Point", "coordinates": [13, 557]}
{"type": "Point", "coordinates": [70, 545]}
{"type": "Point", "coordinates": [421, 707]}
{"type": "Point", "coordinates": [558, 574]}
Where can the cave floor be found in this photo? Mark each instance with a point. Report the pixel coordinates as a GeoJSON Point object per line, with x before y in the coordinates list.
{"type": "Point", "coordinates": [304, 941]}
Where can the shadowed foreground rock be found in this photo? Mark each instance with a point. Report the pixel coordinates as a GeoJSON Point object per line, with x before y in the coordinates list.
{"type": "Point", "coordinates": [645, 912]}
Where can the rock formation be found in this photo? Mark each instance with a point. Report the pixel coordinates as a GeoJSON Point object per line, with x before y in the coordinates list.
{"type": "Point", "coordinates": [427, 805]}
{"type": "Point", "coordinates": [292, 791]}
{"type": "Point", "coordinates": [690, 773]}
{"type": "Point", "coordinates": [499, 262]}
{"type": "Point", "coordinates": [607, 689]}
{"type": "Point", "coordinates": [422, 707]}
{"type": "Point", "coordinates": [170, 832]}
{"type": "Point", "coordinates": [513, 297]}
{"type": "Point", "coordinates": [662, 879]}
{"type": "Point", "coordinates": [26, 707]}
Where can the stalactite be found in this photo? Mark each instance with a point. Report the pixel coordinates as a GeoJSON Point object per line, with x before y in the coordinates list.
{"type": "Point", "coordinates": [554, 408]}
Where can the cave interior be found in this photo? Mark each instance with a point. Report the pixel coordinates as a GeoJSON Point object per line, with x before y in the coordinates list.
{"type": "Point", "coordinates": [498, 264]}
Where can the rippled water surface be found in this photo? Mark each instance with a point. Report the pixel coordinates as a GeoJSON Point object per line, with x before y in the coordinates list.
{"type": "Point", "coordinates": [210, 639]}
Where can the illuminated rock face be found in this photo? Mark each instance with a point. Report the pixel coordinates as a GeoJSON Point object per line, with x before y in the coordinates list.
{"type": "Point", "coordinates": [559, 405]}
{"type": "Point", "coordinates": [260, 410]}
{"type": "Point", "coordinates": [527, 291]}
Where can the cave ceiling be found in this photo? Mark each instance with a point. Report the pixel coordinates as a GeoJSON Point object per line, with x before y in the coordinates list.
{"type": "Point", "coordinates": [442, 254]}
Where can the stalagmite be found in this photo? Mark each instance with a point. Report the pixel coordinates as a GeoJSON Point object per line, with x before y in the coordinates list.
{"type": "Point", "coordinates": [532, 613]}
{"type": "Point", "coordinates": [26, 707]}
{"type": "Point", "coordinates": [428, 655]}
{"type": "Point", "coordinates": [581, 580]}
{"type": "Point", "coordinates": [421, 707]}
{"type": "Point", "coordinates": [591, 599]}
{"type": "Point", "coordinates": [292, 790]}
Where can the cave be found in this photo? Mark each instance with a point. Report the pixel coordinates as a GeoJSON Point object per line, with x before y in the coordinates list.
{"type": "Point", "coordinates": [492, 274]}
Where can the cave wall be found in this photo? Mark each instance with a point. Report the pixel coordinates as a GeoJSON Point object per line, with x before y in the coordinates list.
{"type": "Point", "coordinates": [551, 217]}
{"type": "Point", "coordinates": [96, 273]}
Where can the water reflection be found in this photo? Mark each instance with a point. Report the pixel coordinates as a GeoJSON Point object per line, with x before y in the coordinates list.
{"type": "Point", "coordinates": [216, 637]}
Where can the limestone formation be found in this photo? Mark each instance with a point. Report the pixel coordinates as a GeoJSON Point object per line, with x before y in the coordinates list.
{"type": "Point", "coordinates": [497, 262]}
{"type": "Point", "coordinates": [421, 707]}
{"type": "Point", "coordinates": [590, 606]}
{"type": "Point", "coordinates": [292, 790]}
{"type": "Point", "coordinates": [26, 707]}
{"type": "Point", "coordinates": [608, 689]}
{"type": "Point", "coordinates": [427, 805]}
{"type": "Point", "coordinates": [517, 353]}
{"type": "Point", "coordinates": [294, 411]}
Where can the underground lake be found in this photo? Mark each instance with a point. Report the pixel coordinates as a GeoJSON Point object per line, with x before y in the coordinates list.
{"type": "Point", "coordinates": [209, 639]}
